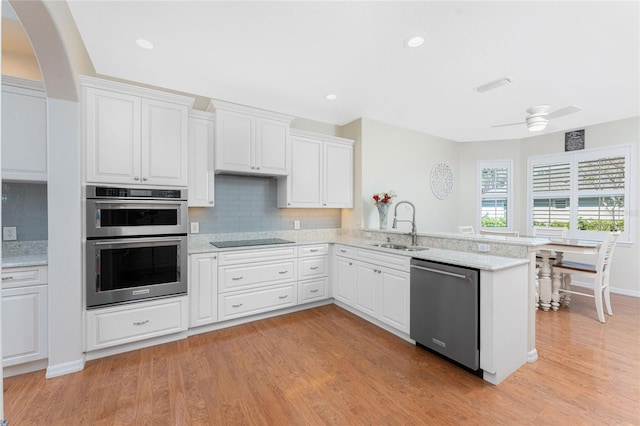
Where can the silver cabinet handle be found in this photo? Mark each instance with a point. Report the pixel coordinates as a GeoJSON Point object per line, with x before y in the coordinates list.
{"type": "Point", "coordinates": [343, 251]}
{"type": "Point", "coordinates": [140, 322]}
{"type": "Point", "coordinates": [314, 290]}
{"type": "Point", "coordinates": [10, 277]}
{"type": "Point", "coordinates": [283, 297]}
{"type": "Point", "coordinates": [313, 250]}
{"type": "Point", "coordinates": [283, 272]}
{"type": "Point", "coordinates": [237, 306]}
{"type": "Point", "coordinates": [237, 278]}
{"type": "Point", "coordinates": [313, 268]}
{"type": "Point", "coordinates": [350, 263]}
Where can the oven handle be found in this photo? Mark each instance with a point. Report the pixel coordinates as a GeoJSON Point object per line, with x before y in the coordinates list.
{"type": "Point", "coordinates": [137, 240]}
{"type": "Point", "coordinates": [128, 204]}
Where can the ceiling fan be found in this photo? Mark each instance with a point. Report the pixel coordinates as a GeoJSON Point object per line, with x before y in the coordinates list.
{"type": "Point", "coordinates": [538, 116]}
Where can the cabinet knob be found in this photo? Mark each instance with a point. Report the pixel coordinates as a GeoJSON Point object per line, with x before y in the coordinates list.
{"type": "Point", "coordinates": [258, 168]}
{"type": "Point", "coordinates": [145, 179]}
{"type": "Point", "coordinates": [136, 178]}
{"type": "Point", "coordinates": [210, 202]}
{"type": "Point", "coordinates": [253, 168]}
{"type": "Point", "coordinates": [324, 204]}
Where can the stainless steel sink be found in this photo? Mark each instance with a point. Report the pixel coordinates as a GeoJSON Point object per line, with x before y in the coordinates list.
{"type": "Point", "coordinates": [399, 247]}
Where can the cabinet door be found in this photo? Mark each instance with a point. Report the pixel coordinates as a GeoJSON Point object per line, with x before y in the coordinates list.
{"type": "Point", "coordinates": [338, 175]}
{"type": "Point", "coordinates": [272, 147]}
{"type": "Point", "coordinates": [203, 289]}
{"type": "Point", "coordinates": [394, 299]}
{"type": "Point", "coordinates": [24, 324]}
{"type": "Point", "coordinates": [24, 134]}
{"type": "Point", "coordinates": [164, 143]}
{"type": "Point", "coordinates": [234, 141]}
{"type": "Point", "coordinates": [112, 134]}
{"type": "Point", "coordinates": [201, 174]}
{"type": "Point", "coordinates": [366, 288]}
{"type": "Point", "coordinates": [305, 181]}
{"type": "Point", "coordinates": [345, 280]}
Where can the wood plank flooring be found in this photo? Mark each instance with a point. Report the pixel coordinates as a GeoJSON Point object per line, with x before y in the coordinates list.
{"type": "Point", "coordinates": [326, 366]}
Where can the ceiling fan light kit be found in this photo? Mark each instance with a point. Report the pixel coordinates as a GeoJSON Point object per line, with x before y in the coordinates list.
{"type": "Point", "coordinates": [538, 116]}
{"type": "Point", "coordinates": [536, 124]}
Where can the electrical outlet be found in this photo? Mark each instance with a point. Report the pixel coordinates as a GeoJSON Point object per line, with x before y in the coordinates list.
{"type": "Point", "coordinates": [296, 224]}
{"type": "Point", "coordinates": [9, 233]}
{"type": "Point", "coordinates": [484, 247]}
{"type": "Point", "coordinates": [195, 227]}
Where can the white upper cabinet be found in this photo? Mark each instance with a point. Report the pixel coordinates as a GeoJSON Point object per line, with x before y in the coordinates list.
{"type": "Point", "coordinates": [250, 141]}
{"type": "Point", "coordinates": [24, 130]}
{"type": "Point", "coordinates": [321, 172]}
{"type": "Point", "coordinates": [201, 165]}
{"type": "Point", "coordinates": [134, 135]}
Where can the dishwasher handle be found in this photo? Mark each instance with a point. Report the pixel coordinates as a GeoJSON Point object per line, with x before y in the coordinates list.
{"type": "Point", "coordinates": [451, 274]}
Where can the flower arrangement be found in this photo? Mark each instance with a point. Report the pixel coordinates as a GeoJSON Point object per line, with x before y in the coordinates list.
{"type": "Point", "coordinates": [383, 197]}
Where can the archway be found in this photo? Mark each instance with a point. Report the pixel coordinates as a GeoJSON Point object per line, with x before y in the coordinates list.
{"type": "Point", "coordinates": [62, 58]}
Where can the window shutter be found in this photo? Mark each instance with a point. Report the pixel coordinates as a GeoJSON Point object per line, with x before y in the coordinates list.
{"type": "Point", "coordinates": [552, 177]}
{"type": "Point", "coordinates": [601, 174]}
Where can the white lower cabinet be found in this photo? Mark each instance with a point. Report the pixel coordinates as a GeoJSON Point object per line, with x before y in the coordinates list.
{"type": "Point", "coordinates": [203, 289]}
{"type": "Point", "coordinates": [122, 324]}
{"type": "Point", "coordinates": [344, 280]}
{"type": "Point", "coordinates": [374, 283]}
{"type": "Point", "coordinates": [243, 303]}
{"type": "Point", "coordinates": [24, 324]}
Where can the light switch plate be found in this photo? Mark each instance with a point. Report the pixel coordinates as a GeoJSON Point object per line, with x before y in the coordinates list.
{"type": "Point", "coordinates": [9, 233]}
{"type": "Point", "coordinates": [195, 227]}
{"type": "Point", "coordinates": [484, 247]}
{"type": "Point", "coordinates": [296, 224]}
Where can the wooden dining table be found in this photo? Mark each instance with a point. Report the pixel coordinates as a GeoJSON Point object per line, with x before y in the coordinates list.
{"type": "Point", "coordinates": [549, 282]}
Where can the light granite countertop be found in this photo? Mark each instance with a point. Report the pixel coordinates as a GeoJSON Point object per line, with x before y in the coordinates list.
{"type": "Point", "coordinates": [202, 244]}
{"type": "Point", "coordinates": [24, 253]}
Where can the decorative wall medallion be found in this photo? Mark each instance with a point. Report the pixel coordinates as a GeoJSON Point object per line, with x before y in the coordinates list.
{"type": "Point", "coordinates": [441, 181]}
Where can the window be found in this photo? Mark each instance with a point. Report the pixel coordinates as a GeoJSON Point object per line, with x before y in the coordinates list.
{"type": "Point", "coordinates": [586, 192]}
{"type": "Point", "coordinates": [495, 194]}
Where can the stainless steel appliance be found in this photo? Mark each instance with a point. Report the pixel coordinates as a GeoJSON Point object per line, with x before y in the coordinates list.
{"type": "Point", "coordinates": [249, 243]}
{"type": "Point", "coordinates": [445, 311]}
{"type": "Point", "coordinates": [136, 244]}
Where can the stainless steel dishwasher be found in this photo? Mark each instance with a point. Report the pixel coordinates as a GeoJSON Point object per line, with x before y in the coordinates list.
{"type": "Point", "coordinates": [445, 311]}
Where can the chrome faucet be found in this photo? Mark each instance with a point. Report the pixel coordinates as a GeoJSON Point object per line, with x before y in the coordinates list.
{"type": "Point", "coordinates": [414, 232]}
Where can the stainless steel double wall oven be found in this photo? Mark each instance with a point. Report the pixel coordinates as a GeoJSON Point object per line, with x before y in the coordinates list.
{"type": "Point", "coordinates": [136, 244]}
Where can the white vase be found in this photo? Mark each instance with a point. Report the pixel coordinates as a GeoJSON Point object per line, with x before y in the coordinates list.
{"type": "Point", "coordinates": [383, 211]}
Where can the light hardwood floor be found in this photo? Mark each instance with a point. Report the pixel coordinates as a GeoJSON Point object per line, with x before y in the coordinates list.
{"type": "Point", "coordinates": [327, 366]}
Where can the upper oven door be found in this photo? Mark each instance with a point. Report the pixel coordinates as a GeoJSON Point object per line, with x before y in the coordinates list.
{"type": "Point", "coordinates": [125, 218]}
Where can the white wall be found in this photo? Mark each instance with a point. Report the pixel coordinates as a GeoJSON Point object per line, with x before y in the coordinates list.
{"type": "Point", "coordinates": [393, 158]}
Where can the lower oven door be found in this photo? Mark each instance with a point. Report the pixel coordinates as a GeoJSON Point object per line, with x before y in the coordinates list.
{"type": "Point", "coordinates": [126, 270]}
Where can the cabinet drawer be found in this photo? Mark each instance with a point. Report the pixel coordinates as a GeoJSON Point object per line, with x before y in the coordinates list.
{"type": "Point", "coordinates": [312, 267]}
{"type": "Point", "coordinates": [259, 255]}
{"type": "Point", "coordinates": [255, 275]}
{"type": "Point", "coordinates": [345, 250]}
{"type": "Point", "coordinates": [313, 250]}
{"type": "Point", "coordinates": [311, 290]}
{"type": "Point", "coordinates": [20, 277]}
{"type": "Point", "coordinates": [130, 323]}
{"type": "Point", "coordinates": [234, 305]}
{"type": "Point", "coordinates": [384, 259]}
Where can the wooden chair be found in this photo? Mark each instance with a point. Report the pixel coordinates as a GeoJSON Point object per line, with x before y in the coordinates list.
{"type": "Point", "coordinates": [501, 233]}
{"type": "Point", "coordinates": [598, 273]}
{"type": "Point", "coordinates": [466, 229]}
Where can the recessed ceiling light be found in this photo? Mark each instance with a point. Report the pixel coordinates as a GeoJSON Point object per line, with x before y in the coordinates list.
{"type": "Point", "coordinates": [414, 41]}
{"type": "Point", "coordinates": [330, 97]}
{"type": "Point", "coordinates": [145, 44]}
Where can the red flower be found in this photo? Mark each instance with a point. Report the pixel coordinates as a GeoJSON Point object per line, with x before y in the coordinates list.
{"type": "Point", "coordinates": [376, 198]}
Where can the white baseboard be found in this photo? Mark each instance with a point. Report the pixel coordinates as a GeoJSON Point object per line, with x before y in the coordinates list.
{"type": "Point", "coordinates": [65, 368]}
{"type": "Point", "coordinates": [616, 290]}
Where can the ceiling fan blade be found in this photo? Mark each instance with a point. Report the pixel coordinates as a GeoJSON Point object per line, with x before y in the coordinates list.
{"type": "Point", "coordinates": [564, 111]}
{"type": "Point", "coordinates": [510, 124]}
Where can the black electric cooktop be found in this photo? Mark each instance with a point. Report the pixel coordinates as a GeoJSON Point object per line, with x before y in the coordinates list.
{"type": "Point", "coordinates": [247, 243]}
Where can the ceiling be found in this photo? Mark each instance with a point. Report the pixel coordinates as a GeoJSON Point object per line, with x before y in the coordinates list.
{"type": "Point", "coordinates": [286, 56]}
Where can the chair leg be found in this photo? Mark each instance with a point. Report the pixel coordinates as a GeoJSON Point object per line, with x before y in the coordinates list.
{"type": "Point", "coordinates": [597, 295]}
{"type": "Point", "coordinates": [607, 300]}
